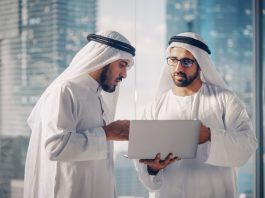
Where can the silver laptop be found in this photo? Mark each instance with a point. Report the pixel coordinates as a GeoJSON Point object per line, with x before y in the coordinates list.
{"type": "Point", "coordinates": [149, 137]}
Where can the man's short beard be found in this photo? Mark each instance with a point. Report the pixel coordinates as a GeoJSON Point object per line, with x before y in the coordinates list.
{"type": "Point", "coordinates": [103, 80]}
{"type": "Point", "coordinates": [187, 80]}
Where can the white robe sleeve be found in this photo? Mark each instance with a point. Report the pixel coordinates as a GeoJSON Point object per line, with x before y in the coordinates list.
{"type": "Point", "coordinates": [62, 141]}
{"type": "Point", "coordinates": [151, 182]}
{"type": "Point", "coordinates": [234, 145]}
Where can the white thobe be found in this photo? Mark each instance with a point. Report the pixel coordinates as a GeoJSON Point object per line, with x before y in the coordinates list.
{"type": "Point", "coordinates": [70, 157]}
{"type": "Point", "coordinates": [212, 173]}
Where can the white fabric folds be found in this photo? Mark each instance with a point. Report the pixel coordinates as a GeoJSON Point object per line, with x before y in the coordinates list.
{"type": "Point", "coordinates": [69, 155]}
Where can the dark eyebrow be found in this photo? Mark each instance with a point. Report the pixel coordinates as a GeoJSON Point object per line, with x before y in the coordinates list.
{"type": "Point", "coordinates": [124, 62]}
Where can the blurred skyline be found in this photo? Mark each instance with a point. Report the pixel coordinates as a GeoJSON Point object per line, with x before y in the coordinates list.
{"type": "Point", "coordinates": [146, 29]}
{"type": "Point", "coordinates": [38, 39]}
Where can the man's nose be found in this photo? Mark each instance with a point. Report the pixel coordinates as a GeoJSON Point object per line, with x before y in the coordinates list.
{"type": "Point", "coordinates": [178, 67]}
{"type": "Point", "coordinates": [124, 73]}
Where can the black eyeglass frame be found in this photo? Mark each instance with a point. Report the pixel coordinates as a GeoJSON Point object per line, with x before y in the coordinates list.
{"type": "Point", "coordinates": [181, 61]}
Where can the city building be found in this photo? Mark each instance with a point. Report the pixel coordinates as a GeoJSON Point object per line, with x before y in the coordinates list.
{"type": "Point", "coordinates": [38, 39]}
{"type": "Point", "coordinates": [12, 161]}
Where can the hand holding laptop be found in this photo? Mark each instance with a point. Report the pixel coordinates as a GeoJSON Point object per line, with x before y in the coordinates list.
{"type": "Point", "coordinates": [157, 164]}
{"type": "Point", "coordinates": [205, 134]}
{"type": "Point", "coordinates": [117, 130]}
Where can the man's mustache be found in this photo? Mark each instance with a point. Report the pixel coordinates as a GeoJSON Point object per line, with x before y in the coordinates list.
{"type": "Point", "coordinates": [180, 74]}
{"type": "Point", "coordinates": [119, 78]}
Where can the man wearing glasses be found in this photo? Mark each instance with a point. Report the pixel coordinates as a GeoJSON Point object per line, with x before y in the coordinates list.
{"type": "Point", "coordinates": [191, 89]}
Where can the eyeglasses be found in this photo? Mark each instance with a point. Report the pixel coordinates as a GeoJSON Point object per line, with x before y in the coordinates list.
{"type": "Point", "coordinates": [185, 62]}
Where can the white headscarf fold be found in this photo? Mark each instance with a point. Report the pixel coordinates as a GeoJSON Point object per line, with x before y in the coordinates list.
{"type": "Point", "coordinates": [209, 73]}
{"type": "Point", "coordinates": [91, 57]}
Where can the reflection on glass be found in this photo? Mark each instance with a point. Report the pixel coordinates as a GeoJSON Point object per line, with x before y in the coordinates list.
{"type": "Point", "coordinates": [227, 28]}
{"type": "Point", "coordinates": [37, 41]}
{"type": "Point", "coordinates": [263, 14]}
{"type": "Point", "coordinates": [39, 38]}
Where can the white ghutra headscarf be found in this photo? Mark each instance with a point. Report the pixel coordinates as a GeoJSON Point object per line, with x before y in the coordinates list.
{"type": "Point", "coordinates": [93, 56]}
{"type": "Point", "coordinates": [209, 73]}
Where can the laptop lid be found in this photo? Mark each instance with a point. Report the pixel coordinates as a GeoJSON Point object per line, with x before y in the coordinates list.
{"type": "Point", "coordinates": [149, 137]}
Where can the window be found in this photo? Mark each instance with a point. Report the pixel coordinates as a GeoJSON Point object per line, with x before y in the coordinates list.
{"type": "Point", "coordinates": [42, 37]}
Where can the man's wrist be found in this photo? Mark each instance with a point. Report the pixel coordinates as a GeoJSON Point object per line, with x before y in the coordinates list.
{"type": "Point", "coordinates": [151, 171]}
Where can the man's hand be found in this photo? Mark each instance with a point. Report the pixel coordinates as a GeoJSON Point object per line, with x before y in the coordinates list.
{"type": "Point", "coordinates": [118, 130]}
{"type": "Point", "coordinates": [205, 134]}
{"type": "Point", "coordinates": [157, 164]}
